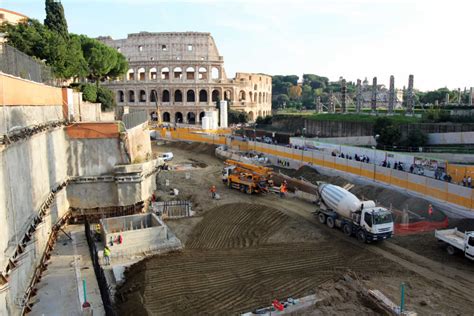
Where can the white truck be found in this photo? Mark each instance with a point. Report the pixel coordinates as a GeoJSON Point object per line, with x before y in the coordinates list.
{"type": "Point", "coordinates": [340, 208]}
{"type": "Point", "coordinates": [457, 241]}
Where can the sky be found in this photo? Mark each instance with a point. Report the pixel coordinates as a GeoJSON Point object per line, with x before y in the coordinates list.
{"type": "Point", "coordinates": [355, 39]}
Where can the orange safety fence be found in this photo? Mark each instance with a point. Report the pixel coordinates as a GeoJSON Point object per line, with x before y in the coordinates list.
{"type": "Point", "coordinates": [418, 227]}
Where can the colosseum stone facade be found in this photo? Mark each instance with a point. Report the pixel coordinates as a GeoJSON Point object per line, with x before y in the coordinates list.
{"type": "Point", "coordinates": [183, 74]}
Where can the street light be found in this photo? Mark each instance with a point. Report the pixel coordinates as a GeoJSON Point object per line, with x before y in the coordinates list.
{"type": "Point", "coordinates": [375, 152]}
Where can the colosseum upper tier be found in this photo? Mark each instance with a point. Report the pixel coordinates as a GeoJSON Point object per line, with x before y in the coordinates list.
{"type": "Point", "coordinates": [184, 75]}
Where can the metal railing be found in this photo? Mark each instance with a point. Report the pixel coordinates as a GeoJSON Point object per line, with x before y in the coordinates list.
{"type": "Point", "coordinates": [99, 273]}
{"type": "Point", "coordinates": [17, 63]}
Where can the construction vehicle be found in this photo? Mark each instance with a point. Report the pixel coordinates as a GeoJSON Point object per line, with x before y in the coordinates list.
{"type": "Point", "coordinates": [363, 219]}
{"type": "Point", "coordinates": [246, 177]}
{"type": "Point", "coordinates": [457, 241]}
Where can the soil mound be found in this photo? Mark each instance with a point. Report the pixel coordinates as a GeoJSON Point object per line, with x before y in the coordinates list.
{"type": "Point", "coordinates": [236, 226]}
{"type": "Point", "coordinates": [312, 175]}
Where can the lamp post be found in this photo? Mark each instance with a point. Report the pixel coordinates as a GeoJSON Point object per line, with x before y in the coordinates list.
{"type": "Point", "coordinates": [375, 152]}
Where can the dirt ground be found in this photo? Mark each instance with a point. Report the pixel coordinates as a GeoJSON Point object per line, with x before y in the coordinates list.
{"type": "Point", "coordinates": [242, 251]}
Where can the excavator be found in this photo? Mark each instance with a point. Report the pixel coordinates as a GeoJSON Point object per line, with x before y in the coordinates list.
{"type": "Point", "coordinates": [246, 177]}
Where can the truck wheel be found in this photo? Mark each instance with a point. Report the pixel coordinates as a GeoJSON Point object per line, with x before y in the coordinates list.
{"type": "Point", "coordinates": [229, 183]}
{"type": "Point", "coordinates": [322, 218]}
{"type": "Point", "coordinates": [330, 222]}
{"type": "Point", "coordinates": [361, 236]}
{"type": "Point", "coordinates": [450, 249]}
{"type": "Point", "coordinates": [347, 229]}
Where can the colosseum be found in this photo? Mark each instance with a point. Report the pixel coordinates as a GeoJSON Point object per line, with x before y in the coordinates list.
{"type": "Point", "coordinates": [183, 75]}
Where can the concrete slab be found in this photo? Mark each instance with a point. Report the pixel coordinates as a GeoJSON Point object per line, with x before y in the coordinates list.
{"type": "Point", "coordinates": [60, 290]}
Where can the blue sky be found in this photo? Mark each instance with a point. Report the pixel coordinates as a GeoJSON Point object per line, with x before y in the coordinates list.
{"type": "Point", "coordinates": [332, 38]}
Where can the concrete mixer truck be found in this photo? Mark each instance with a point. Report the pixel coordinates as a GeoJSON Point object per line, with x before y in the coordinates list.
{"type": "Point", "coordinates": [363, 219]}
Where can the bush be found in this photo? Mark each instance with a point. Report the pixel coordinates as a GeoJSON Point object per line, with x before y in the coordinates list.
{"type": "Point", "coordinates": [106, 98]}
{"type": "Point", "coordinates": [89, 92]}
{"type": "Point", "coordinates": [267, 120]}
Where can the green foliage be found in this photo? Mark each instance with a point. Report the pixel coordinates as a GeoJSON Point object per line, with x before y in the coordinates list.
{"type": "Point", "coordinates": [236, 117]}
{"type": "Point", "coordinates": [380, 123]}
{"type": "Point", "coordinates": [389, 136]}
{"type": "Point", "coordinates": [69, 55]}
{"type": "Point", "coordinates": [267, 120]}
{"type": "Point", "coordinates": [106, 98]}
{"type": "Point", "coordinates": [416, 138]}
{"type": "Point", "coordinates": [55, 19]}
{"type": "Point", "coordinates": [89, 92]}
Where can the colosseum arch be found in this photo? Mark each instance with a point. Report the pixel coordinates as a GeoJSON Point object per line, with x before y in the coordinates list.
{"type": "Point", "coordinates": [202, 73]}
{"type": "Point", "coordinates": [215, 95]}
{"type": "Point", "coordinates": [228, 95]}
{"type": "Point", "coordinates": [178, 96]}
{"type": "Point", "coordinates": [153, 96]}
{"type": "Point", "coordinates": [142, 96]}
{"type": "Point", "coordinates": [178, 73]}
{"type": "Point", "coordinates": [141, 74]}
{"type": "Point", "coordinates": [166, 117]}
{"type": "Point", "coordinates": [215, 73]}
{"type": "Point", "coordinates": [120, 96]}
{"type": "Point", "coordinates": [153, 116]}
{"type": "Point", "coordinates": [242, 95]}
{"type": "Point", "coordinates": [203, 96]}
{"type": "Point", "coordinates": [190, 73]}
{"type": "Point", "coordinates": [165, 73]}
{"type": "Point", "coordinates": [251, 116]}
{"type": "Point", "coordinates": [191, 118]}
{"type": "Point", "coordinates": [250, 96]}
{"type": "Point", "coordinates": [255, 97]}
{"type": "Point", "coordinates": [201, 115]}
{"type": "Point", "coordinates": [153, 74]}
{"type": "Point", "coordinates": [190, 96]}
{"type": "Point", "coordinates": [131, 74]}
{"type": "Point", "coordinates": [259, 97]}
{"type": "Point", "coordinates": [178, 117]}
{"type": "Point", "coordinates": [255, 86]}
{"type": "Point", "coordinates": [166, 96]}
{"type": "Point", "coordinates": [131, 96]}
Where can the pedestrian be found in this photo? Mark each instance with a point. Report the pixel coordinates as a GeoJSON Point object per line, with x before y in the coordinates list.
{"type": "Point", "coordinates": [430, 210]}
{"type": "Point", "coordinates": [107, 255]}
{"type": "Point", "coordinates": [469, 181]}
{"type": "Point", "coordinates": [411, 168]}
{"type": "Point", "coordinates": [213, 191]}
{"type": "Point", "coordinates": [464, 181]}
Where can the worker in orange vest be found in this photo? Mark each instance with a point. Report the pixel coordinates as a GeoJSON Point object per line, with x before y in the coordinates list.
{"type": "Point", "coordinates": [283, 189]}
{"type": "Point", "coordinates": [213, 191]}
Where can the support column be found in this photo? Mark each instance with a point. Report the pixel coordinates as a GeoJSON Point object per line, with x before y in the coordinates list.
{"type": "Point", "coordinates": [391, 95]}
{"type": "Point", "coordinates": [359, 96]}
{"type": "Point", "coordinates": [374, 95]}
{"type": "Point", "coordinates": [343, 95]}
{"type": "Point", "coordinates": [331, 103]}
{"type": "Point", "coordinates": [410, 100]}
{"type": "Point", "coordinates": [318, 104]}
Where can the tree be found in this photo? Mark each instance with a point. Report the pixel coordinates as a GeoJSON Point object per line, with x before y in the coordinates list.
{"type": "Point", "coordinates": [389, 136]}
{"type": "Point", "coordinates": [236, 117]}
{"type": "Point", "coordinates": [295, 92]}
{"type": "Point", "coordinates": [267, 120]}
{"type": "Point", "coordinates": [282, 100]}
{"type": "Point", "coordinates": [106, 98]}
{"type": "Point", "coordinates": [55, 19]}
{"type": "Point", "coordinates": [416, 138]}
{"type": "Point", "coordinates": [380, 123]}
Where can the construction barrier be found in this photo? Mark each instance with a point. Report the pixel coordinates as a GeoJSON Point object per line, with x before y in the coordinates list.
{"type": "Point", "coordinates": [441, 190]}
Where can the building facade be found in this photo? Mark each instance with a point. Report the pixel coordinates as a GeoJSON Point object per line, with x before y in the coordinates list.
{"type": "Point", "coordinates": [11, 17]}
{"type": "Point", "coordinates": [183, 75]}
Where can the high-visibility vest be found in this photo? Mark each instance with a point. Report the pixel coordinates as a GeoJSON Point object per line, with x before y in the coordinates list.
{"type": "Point", "coordinates": [106, 252]}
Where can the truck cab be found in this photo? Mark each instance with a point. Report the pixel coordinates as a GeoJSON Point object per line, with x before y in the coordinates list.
{"type": "Point", "coordinates": [376, 223]}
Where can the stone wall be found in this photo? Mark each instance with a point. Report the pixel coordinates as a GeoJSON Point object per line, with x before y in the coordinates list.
{"type": "Point", "coordinates": [138, 143]}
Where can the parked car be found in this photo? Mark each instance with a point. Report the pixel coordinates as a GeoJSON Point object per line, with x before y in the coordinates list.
{"type": "Point", "coordinates": [167, 156]}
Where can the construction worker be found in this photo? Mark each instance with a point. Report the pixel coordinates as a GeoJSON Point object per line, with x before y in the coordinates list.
{"type": "Point", "coordinates": [213, 191]}
{"type": "Point", "coordinates": [107, 255]}
{"type": "Point", "coordinates": [283, 189]}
